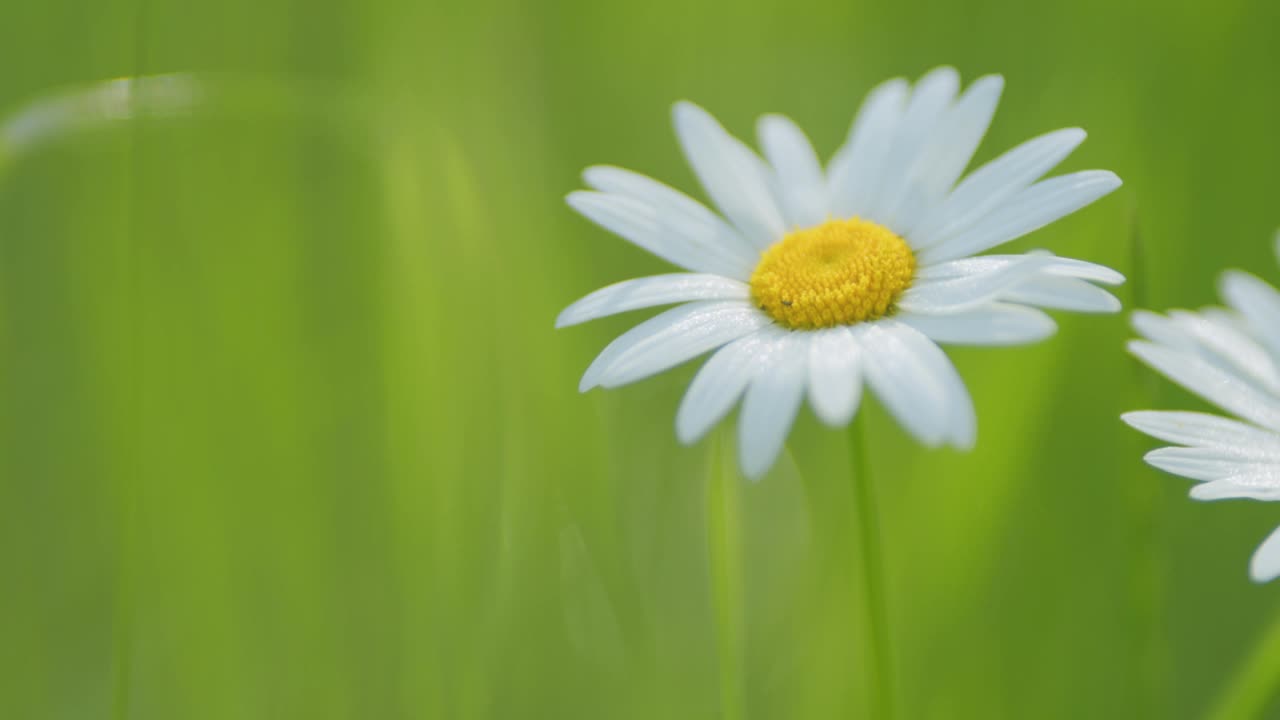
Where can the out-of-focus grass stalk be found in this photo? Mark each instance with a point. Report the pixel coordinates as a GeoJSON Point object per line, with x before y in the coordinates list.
{"type": "Point", "coordinates": [880, 690]}
{"type": "Point", "coordinates": [724, 539]}
{"type": "Point", "coordinates": [1251, 690]}
{"type": "Point", "coordinates": [413, 441]}
{"type": "Point", "coordinates": [12, 136]}
{"type": "Point", "coordinates": [473, 234]}
{"type": "Point", "coordinates": [1147, 583]}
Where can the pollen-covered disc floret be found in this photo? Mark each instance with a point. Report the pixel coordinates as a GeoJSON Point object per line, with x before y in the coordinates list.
{"type": "Point", "coordinates": [838, 273]}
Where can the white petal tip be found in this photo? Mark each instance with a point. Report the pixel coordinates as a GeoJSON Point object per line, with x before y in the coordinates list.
{"type": "Point", "coordinates": [1113, 305]}
{"type": "Point", "coordinates": [834, 420]}
{"type": "Point", "coordinates": [1151, 455]}
{"type": "Point", "coordinates": [1109, 180]}
{"type": "Point", "coordinates": [1233, 282]}
{"type": "Point", "coordinates": [1140, 318]}
{"type": "Point", "coordinates": [1138, 419]}
{"type": "Point", "coordinates": [1260, 573]}
{"type": "Point", "coordinates": [684, 110]}
{"type": "Point", "coordinates": [686, 433]}
{"type": "Point", "coordinates": [1264, 566]}
{"type": "Point", "coordinates": [994, 80]}
{"type": "Point", "coordinates": [755, 465]}
{"type": "Point", "coordinates": [1095, 273]}
{"type": "Point", "coordinates": [1207, 492]}
{"type": "Point", "coordinates": [1077, 135]}
{"type": "Point", "coordinates": [592, 175]}
{"type": "Point", "coordinates": [1139, 348]}
{"type": "Point", "coordinates": [578, 199]}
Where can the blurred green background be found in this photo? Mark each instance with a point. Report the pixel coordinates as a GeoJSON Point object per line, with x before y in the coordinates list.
{"type": "Point", "coordinates": [285, 431]}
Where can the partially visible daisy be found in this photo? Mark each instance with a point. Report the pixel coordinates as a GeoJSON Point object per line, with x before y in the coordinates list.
{"type": "Point", "coordinates": [1230, 357]}
{"type": "Point", "coordinates": [815, 281]}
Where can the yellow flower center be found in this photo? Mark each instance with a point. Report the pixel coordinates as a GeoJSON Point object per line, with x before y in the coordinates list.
{"type": "Point", "coordinates": [838, 273]}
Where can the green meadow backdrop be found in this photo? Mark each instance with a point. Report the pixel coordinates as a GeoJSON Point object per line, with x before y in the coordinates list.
{"type": "Point", "coordinates": [286, 432]}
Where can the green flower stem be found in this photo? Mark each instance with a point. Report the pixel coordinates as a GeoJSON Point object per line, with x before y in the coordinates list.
{"type": "Point", "coordinates": [724, 539]}
{"type": "Point", "coordinates": [1147, 582]}
{"type": "Point", "coordinates": [879, 653]}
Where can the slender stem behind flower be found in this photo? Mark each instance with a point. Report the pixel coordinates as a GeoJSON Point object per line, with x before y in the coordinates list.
{"type": "Point", "coordinates": [879, 653]}
{"type": "Point", "coordinates": [1144, 498]}
{"type": "Point", "coordinates": [724, 541]}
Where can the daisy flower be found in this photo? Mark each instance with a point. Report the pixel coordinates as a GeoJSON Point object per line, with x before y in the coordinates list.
{"type": "Point", "coordinates": [812, 281]}
{"type": "Point", "coordinates": [1231, 357]}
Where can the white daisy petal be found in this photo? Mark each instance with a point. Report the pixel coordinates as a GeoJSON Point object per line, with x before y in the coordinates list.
{"type": "Point", "coordinates": [1265, 564]}
{"type": "Point", "coordinates": [771, 403]}
{"type": "Point", "coordinates": [1063, 293]}
{"type": "Point", "coordinates": [1200, 463]}
{"type": "Point", "coordinates": [1258, 302]}
{"type": "Point", "coordinates": [1079, 269]}
{"type": "Point", "coordinates": [969, 267]}
{"type": "Point", "coordinates": [966, 267]}
{"type": "Point", "coordinates": [949, 151]}
{"type": "Point", "coordinates": [664, 341]}
{"type": "Point", "coordinates": [835, 375]}
{"type": "Point", "coordinates": [967, 124]}
{"type": "Point", "coordinates": [1230, 348]}
{"type": "Point", "coordinates": [1209, 336]}
{"type": "Point", "coordinates": [1228, 317]}
{"type": "Point", "coordinates": [650, 292]}
{"type": "Point", "coordinates": [1162, 331]}
{"type": "Point", "coordinates": [733, 175]}
{"type": "Point", "coordinates": [664, 236]}
{"type": "Point", "coordinates": [935, 297]}
{"type": "Point", "coordinates": [989, 186]}
{"type": "Point", "coordinates": [700, 225]}
{"type": "Point", "coordinates": [917, 384]}
{"type": "Point", "coordinates": [1210, 382]}
{"type": "Point", "coordinates": [991, 324]}
{"type": "Point", "coordinates": [930, 100]}
{"type": "Point", "coordinates": [719, 383]}
{"type": "Point", "coordinates": [854, 172]}
{"type": "Point", "coordinates": [801, 187]}
{"type": "Point", "coordinates": [1058, 266]}
{"type": "Point", "coordinates": [1230, 489]}
{"type": "Point", "coordinates": [1260, 483]}
{"type": "Point", "coordinates": [1027, 211]}
{"type": "Point", "coordinates": [1204, 430]}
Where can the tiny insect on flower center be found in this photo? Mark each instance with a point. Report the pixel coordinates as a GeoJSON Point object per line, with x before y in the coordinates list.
{"type": "Point", "coordinates": [838, 273]}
